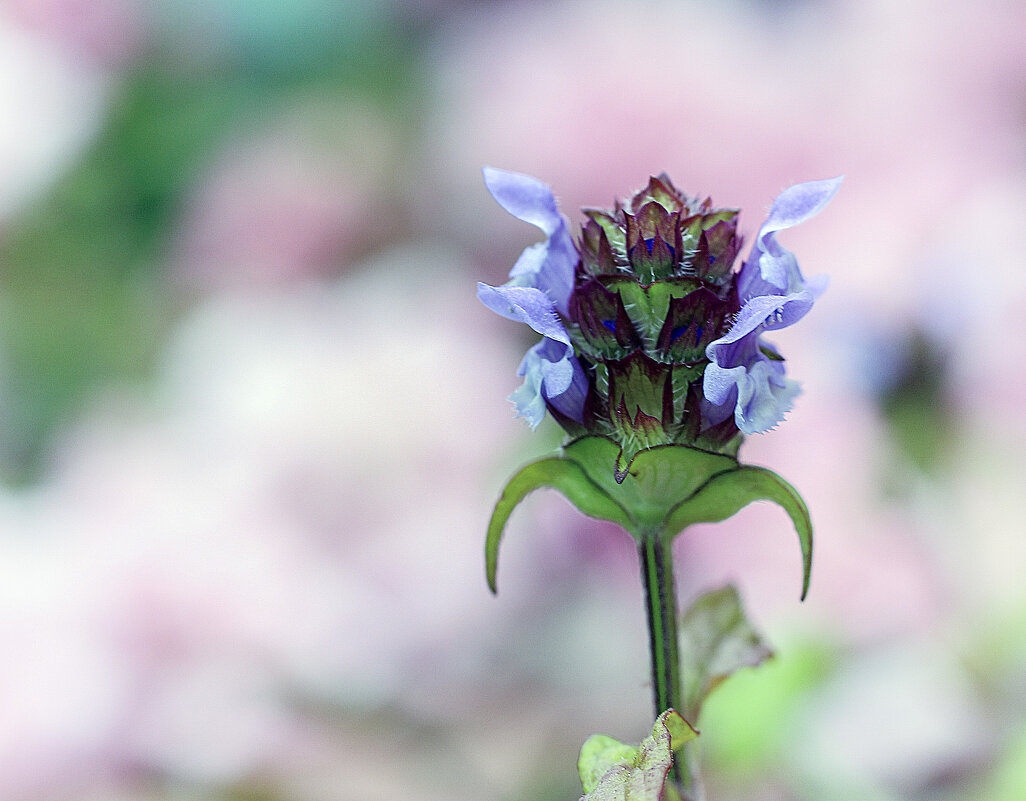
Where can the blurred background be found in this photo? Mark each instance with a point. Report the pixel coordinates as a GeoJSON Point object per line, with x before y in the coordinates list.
{"type": "Point", "coordinates": [253, 420]}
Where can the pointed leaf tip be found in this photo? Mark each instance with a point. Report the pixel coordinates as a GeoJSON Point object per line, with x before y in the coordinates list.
{"type": "Point", "coordinates": [681, 732]}
{"type": "Point", "coordinates": [560, 474]}
{"type": "Point", "coordinates": [728, 493]}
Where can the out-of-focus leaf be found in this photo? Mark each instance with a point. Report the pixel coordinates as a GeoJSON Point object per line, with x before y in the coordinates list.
{"type": "Point", "coordinates": [767, 700]}
{"type": "Point", "coordinates": [1008, 780]}
{"type": "Point", "coordinates": [716, 640]}
{"type": "Point", "coordinates": [613, 771]}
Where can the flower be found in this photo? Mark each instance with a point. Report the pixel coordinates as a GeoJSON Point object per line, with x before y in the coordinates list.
{"type": "Point", "coordinates": [745, 374]}
{"type": "Point", "coordinates": [649, 337]}
{"type": "Point", "coordinates": [539, 289]}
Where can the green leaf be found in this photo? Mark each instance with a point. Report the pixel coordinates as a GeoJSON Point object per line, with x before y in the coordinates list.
{"type": "Point", "coordinates": [613, 771]}
{"type": "Point", "coordinates": [561, 474]}
{"type": "Point", "coordinates": [717, 640]}
{"type": "Point", "coordinates": [727, 493]}
{"type": "Point", "coordinates": [599, 753]}
{"type": "Point", "coordinates": [681, 732]}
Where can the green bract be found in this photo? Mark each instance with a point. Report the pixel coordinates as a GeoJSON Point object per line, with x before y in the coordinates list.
{"type": "Point", "coordinates": [666, 489]}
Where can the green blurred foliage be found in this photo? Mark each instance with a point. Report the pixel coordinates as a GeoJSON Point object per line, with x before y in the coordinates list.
{"type": "Point", "coordinates": [916, 407]}
{"type": "Point", "coordinates": [746, 724]}
{"type": "Point", "coordinates": [83, 280]}
{"type": "Point", "coordinates": [1008, 781]}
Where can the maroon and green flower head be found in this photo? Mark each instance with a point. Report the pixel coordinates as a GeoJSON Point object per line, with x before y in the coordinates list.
{"type": "Point", "coordinates": [649, 337]}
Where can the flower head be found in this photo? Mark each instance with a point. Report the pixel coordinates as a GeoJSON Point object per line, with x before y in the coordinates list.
{"type": "Point", "coordinates": [649, 337]}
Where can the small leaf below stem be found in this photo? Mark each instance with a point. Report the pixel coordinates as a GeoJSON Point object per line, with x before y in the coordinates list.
{"type": "Point", "coordinates": [613, 771]}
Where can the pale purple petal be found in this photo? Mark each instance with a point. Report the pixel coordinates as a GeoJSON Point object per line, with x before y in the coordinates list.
{"type": "Point", "coordinates": [549, 265]}
{"type": "Point", "coordinates": [719, 385]}
{"type": "Point", "coordinates": [564, 384]}
{"type": "Point", "coordinates": [765, 313]}
{"type": "Point", "coordinates": [764, 397]}
{"type": "Point", "coordinates": [743, 380]}
{"type": "Point", "coordinates": [525, 305]}
{"type": "Point", "coordinates": [551, 372]}
{"type": "Point", "coordinates": [799, 203]}
{"type": "Point", "coordinates": [550, 369]}
{"type": "Point", "coordinates": [775, 295]}
{"type": "Point", "coordinates": [729, 357]}
{"type": "Point", "coordinates": [771, 268]}
{"type": "Point", "coordinates": [528, 399]}
{"type": "Point", "coordinates": [524, 197]}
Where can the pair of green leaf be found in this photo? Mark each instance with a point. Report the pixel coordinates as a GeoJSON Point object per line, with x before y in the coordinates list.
{"type": "Point", "coordinates": [668, 488]}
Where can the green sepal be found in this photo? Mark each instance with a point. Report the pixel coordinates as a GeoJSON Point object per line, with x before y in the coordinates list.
{"type": "Point", "coordinates": [611, 770]}
{"type": "Point", "coordinates": [655, 482]}
{"type": "Point", "coordinates": [664, 490]}
{"type": "Point", "coordinates": [558, 473]}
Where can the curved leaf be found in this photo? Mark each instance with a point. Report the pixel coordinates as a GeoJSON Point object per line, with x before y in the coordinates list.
{"type": "Point", "coordinates": [560, 474]}
{"type": "Point", "coordinates": [727, 493]}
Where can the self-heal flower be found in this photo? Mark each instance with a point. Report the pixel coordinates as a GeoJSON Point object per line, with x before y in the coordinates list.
{"type": "Point", "coordinates": [549, 265]}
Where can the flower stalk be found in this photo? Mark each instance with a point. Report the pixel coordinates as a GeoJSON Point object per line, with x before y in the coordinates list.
{"type": "Point", "coordinates": [657, 578]}
{"type": "Point", "coordinates": [656, 557]}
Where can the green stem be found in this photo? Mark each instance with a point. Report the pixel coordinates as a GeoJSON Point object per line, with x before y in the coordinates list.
{"type": "Point", "coordinates": [661, 606]}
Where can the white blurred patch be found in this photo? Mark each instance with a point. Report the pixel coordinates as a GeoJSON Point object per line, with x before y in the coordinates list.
{"type": "Point", "coordinates": [52, 104]}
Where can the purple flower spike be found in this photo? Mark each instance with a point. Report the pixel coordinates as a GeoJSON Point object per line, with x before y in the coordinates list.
{"type": "Point", "coordinates": [649, 335]}
{"type": "Point", "coordinates": [549, 265]}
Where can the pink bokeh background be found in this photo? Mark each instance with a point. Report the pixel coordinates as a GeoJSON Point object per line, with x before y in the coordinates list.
{"type": "Point", "coordinates": [259, 573]}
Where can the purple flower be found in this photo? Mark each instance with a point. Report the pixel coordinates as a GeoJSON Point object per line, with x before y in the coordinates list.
{"type": "Point", "coordinates": [537, 293]}
{"type": "Point", "coordinates": [746, 375]}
